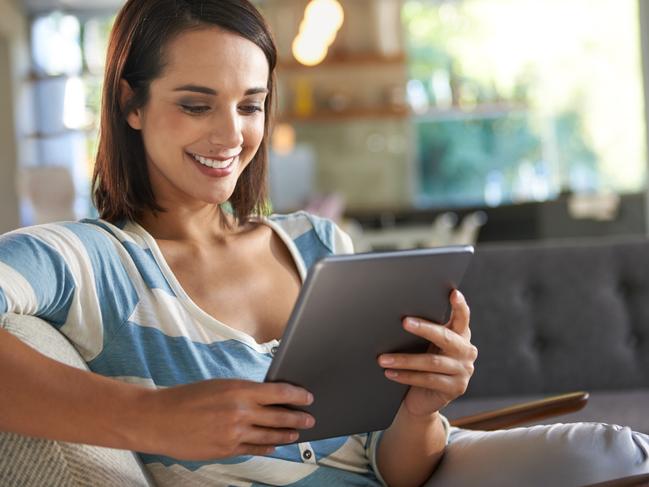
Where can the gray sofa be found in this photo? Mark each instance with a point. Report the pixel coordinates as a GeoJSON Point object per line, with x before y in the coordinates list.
{"type": "Point", "coordinates": [557, 317]}
{"type": "Point", "coordinates": [547, 318]}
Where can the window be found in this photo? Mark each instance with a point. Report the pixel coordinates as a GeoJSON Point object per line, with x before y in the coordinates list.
{"type": "Point", "coordinates": [520, 100]}
{"type": "Point", "coordinates": [68, 53]}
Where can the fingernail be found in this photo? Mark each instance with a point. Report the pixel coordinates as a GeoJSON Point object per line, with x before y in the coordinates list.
{"type": "Point", "coordinates": [412, 323]}
{"type": "Point", "coordinates": [459, 296]}
{"type": "Point", "coordinates": [309, 398]}
{"type": "Point", "coordinates": [293, 436]}
{"type": "Point", "coordinates": [387, 360]}
{"type": "Point", "coordinates": [391, 373]}
{"type": "Point", "coordinates": [309, 422]}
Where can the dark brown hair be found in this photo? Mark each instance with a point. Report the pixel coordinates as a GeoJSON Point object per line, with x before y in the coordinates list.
{"type": "Point", "coordinates": [142, 30]}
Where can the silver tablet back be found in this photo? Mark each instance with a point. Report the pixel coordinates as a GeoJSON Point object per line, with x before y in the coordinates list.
{"type": "Point", "coordinates": [349, 311]}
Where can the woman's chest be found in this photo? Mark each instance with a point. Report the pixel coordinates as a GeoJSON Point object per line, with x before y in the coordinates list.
{"type": "Point", "coordinates": [254, 294]}
{"type": "Point", "coordinates": [258, 304]}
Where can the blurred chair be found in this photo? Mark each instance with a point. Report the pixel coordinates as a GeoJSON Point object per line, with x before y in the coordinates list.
{"type": "Point", "coordinates": [603, 206]}
{"type": "Point", "coordinates": [468, 229]}
{"type": "Point", "coordinates": [444, 230]}
{"type": "Point", "coordinates": [354, 229]}
{"type": "Point", "coordinates": [50, 192]}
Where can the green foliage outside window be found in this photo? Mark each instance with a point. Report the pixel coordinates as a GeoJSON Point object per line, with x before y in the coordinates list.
{"type": "Point", "coordinates": [525, 99]}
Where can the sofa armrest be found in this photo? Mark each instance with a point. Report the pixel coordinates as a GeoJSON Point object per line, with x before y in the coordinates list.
{"type": "Point", "coordinates": [37, 461]}
{"type": "Point", "coordinates": [523, 413]}
{"type": "Point", "coordinates": [43, 337]}
{"type": "Point", "coordinates": [634, 481]}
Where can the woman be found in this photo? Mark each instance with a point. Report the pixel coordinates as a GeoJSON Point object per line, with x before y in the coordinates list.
{"type": "Point", "coordinates": [177, 302]}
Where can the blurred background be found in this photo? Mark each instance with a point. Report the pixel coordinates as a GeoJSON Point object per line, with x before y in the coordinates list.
{"type": "Point", "coordinates": [411, 122]}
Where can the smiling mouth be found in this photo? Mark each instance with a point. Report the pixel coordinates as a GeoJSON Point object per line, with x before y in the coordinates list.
{"type": "Point", "coordinates": [213, 163]}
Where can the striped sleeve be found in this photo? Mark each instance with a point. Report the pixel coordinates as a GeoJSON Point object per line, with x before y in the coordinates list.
{"type": "Point", "coordinates": [330, 234]}
{"type": "Point", "coordinates": [343, 243]}
{"type": "Point", "coordinates": [371, 450]}
{"type": "Point", "coordinates": [34, 278]}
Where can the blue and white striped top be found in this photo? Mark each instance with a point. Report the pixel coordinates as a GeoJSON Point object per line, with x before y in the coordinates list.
{"type": "Point", "coordinates": [108, 289]}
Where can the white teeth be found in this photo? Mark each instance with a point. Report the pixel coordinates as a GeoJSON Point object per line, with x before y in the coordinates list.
{"type": "Point", "coordinates": [212, 163]}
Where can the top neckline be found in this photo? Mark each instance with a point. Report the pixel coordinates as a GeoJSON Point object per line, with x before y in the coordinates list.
{"type": "Point", "coordinates": [196, 310]}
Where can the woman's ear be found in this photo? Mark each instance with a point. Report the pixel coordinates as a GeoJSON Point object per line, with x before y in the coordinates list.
{"type": "Point", "coordinates": [125, 94]}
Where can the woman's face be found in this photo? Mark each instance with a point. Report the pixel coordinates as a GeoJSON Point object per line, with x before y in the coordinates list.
{"type": "Point", "coordinates": [204, 120]}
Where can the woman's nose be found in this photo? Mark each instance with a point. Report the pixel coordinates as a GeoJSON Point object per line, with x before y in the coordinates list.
{"type": "Point", "coordinates": [227, 131]}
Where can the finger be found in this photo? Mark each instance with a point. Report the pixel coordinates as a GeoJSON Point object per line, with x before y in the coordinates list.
{"type": "Point", "coordinates": [460, 313]}
{"type": "Point", "coordinates": [447, 340]}
{"type": "Point", "coordinates": [282, 393]}
{"type": "Point", "coordinates": [425, 362]}
{"type": "Point", "coordinates": [277, 417]}
{"type": "Point", "coordinates": [270, 436]}
{"type": "Point", "coordinates": [452, 386]}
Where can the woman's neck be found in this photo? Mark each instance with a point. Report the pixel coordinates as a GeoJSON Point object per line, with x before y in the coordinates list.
{"type": "Point", "coordinates": [207, 224]}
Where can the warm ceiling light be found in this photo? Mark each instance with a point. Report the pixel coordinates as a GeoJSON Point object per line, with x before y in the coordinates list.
{"type": "Point", "coordinates": [309, 52]}
{"type": "Point", "coordinates": [328, 12]}
{"type": "Point", "coordinates": [318, 29]}
{"type": "Point", "coordinates": [283, 139]}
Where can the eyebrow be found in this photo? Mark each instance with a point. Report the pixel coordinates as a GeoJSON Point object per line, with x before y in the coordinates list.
{"type": "Point", "coordinates": [209, 91]}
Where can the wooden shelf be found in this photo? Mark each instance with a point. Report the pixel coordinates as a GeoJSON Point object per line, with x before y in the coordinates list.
{"type": "Point", "coordinates": [346, 61]}
{"type": "Point", "coordinates": [351, 114]}
{"type": "Point", "coordinates": [481, 111]}
{"type": "Point", "coordinates": [34, 77]}
{"type": "Point", "coordinates": [60, 133]}
{"type": "Point", "coordinates": [488, 110]}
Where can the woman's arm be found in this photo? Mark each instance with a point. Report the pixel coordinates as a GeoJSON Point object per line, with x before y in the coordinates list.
{"type": "Point", "coordinates": [412, 447]}
{"type": "Point", "coordinates": [45, 398]}
{"type": "Point", "coordinates": [211, 419]}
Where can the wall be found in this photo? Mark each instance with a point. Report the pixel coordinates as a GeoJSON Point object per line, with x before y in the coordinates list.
{"type": "Point", "coordinates": [351, 109]}
{"type": "Point", "coordinates": [13, 70]}
{"type": "Point", "coordinates": [643, 9]}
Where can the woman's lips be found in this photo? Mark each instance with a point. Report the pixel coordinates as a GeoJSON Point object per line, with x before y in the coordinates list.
{"type": "Point", "coordinates": [224, 168]}
{"type": "Point", "coordinates": [214, 162]}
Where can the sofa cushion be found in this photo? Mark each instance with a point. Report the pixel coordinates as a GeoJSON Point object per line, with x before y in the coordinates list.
{"type": "Point", "coordinates": [35, 461]}
{"type": "Point", "coordinates": [559, 316]}
{"type": "Point", "coordinates": [626, 408]}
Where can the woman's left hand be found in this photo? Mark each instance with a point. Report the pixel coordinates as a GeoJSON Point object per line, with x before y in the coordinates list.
{"type": "Point", "coordinates": [442, 373]}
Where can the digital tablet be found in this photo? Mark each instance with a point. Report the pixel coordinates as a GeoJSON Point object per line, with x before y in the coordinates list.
{"type": "Point", "coordinates": [350, 311]}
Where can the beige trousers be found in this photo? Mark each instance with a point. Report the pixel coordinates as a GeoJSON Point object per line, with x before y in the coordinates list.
{"type": "Point", "coordinates": [546, 456]}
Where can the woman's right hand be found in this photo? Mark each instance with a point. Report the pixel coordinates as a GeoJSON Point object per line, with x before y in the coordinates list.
{"type": "Point", "coordinates": [221, 418]}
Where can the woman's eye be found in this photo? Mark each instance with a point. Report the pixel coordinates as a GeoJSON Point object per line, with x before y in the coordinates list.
{"type": "Point", "coordinates": [195, 109]}
{"type": "Point", "coordinates": [251, 108]}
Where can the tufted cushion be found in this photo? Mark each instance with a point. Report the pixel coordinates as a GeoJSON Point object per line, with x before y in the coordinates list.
{"type": "Point", "coordinates": [28, 461]}
{"type": "Point", "coordinates": [560, 317]}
